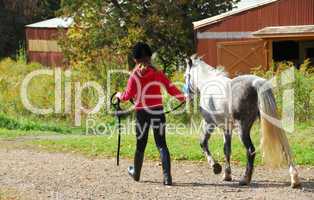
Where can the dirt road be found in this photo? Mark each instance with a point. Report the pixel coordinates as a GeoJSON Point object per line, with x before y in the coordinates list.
{"type": "Point", "coordinates": [30, 174]}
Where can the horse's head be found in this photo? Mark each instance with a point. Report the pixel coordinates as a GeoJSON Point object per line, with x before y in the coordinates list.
{"type": "Point", "coordinates": [197, 72]}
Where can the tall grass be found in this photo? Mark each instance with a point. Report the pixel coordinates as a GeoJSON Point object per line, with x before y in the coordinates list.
{"type": "Point", "coordinates": [12, 123]}
{"type": "Point", "coordinates": [41, 93]}
{"type": "Point", "coordinates": [302, 85]}
{"type": "Point", "coordinates": [11, 76]}
{"type": "Point", "coordinates": [13, 114]}
{"type": "Point", "coordinates": [21, 56]}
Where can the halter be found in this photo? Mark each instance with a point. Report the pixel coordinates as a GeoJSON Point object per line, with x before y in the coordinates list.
{"type": "Point", "coordinates": [188, 89]}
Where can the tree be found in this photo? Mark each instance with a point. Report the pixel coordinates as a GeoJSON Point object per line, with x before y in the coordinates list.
{"type": "Point", "coordinates": [116, 25]}
{"type": "Point", "coordinates": [15, 14]}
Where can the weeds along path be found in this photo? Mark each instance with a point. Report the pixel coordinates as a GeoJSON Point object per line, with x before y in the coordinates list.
{"type": "Point", "coordinates": [34, 174]}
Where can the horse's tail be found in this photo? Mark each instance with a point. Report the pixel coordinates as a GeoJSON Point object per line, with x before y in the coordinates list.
{"type": "Point", "coordinates": [274, 143]}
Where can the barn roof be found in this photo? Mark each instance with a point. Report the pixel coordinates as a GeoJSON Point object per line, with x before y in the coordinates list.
{"type": "Point", "coordinates": [283, 31]}
{"type": "Point", "coordinates": [218, 18]}
{"type": "Point", "coordinates": [57, 22]}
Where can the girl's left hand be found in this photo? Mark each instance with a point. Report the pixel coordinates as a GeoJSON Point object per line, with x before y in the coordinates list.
{"type": "Point", "coordinates": [118, 95]}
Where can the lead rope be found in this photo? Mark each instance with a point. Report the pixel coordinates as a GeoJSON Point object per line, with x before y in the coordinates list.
{"type": "Point", "coordinates": [169, 111]}
{"type": "Point", "coordinates": [118, 113]}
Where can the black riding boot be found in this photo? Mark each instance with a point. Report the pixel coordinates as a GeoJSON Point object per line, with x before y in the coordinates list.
{"type": "Point", "coordinates": [135, 171]}
{"type": "Point", "coordinates": [166, 166]}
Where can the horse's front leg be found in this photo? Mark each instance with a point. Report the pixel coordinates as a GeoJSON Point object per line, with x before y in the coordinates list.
{"type": "Point", "coordinates": [227, 152]}
{"type": "Point", "coordinates": [204, 145]}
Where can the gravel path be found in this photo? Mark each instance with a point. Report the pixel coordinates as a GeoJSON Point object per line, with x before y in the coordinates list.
{"type": "Point", "coordinates": [41, 175]}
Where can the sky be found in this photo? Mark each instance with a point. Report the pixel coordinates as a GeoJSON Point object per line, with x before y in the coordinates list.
{"type": "Point", "coordinates": [248, 2]}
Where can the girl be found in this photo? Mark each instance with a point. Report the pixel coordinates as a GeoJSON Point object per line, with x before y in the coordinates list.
{"type": "Point", "coordinates": [144, 85]}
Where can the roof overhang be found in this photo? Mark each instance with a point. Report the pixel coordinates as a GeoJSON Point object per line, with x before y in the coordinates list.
{"type": "Point", "coordinates": [57, 22]}
{"type": "Point", "coordinates": [285, 32]}
{"type": "Point", "coordinates": [221, 17]}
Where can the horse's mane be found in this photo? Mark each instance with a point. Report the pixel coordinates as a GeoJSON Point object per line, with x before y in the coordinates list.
{"type": "Point", "coordinates": [207, 69]}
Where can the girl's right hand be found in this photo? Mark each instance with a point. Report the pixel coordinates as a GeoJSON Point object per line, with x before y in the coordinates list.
{"type": "Point", "coordinates": [118, 95]}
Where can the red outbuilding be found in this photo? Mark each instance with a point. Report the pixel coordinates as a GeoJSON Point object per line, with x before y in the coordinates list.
{"type": "Point", "coordinates": [42, 41]}
{"type": "Point", "coordinates": [273, 30]}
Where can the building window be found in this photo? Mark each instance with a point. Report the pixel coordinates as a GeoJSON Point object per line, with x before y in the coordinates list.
{"type": "Point", "coordinates": [310, 54]}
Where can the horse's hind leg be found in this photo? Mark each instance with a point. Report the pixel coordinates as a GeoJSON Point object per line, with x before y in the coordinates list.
{"type": "Point", "coordinates": [204, 145]}
{"type": "Point", "coordinates": [295, 180]}
{"type": "Point", "coordinates": [227, 152]}
{"type": "Point", "coordinates": [245, 128]}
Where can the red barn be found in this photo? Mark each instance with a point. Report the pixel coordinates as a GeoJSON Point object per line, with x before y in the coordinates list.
{"type": "Point", "coordinates": [42, 41]}
{"type": "Point", "coordinates": [274, 30]}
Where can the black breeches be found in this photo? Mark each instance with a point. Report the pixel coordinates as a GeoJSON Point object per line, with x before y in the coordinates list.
{"type": "Point", "coordinates": [145, 120]}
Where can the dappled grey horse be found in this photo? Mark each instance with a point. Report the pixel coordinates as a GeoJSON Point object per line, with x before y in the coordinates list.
{"type": "Point", "coordinates": [228, 103]}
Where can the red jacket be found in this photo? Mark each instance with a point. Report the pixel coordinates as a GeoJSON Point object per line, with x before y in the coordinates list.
{"type": "Point", "coordinates": [144, 86]}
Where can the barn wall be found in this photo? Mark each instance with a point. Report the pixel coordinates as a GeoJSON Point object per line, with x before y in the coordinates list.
{"type": "Point", "coordinates": [46, 53]}
{"type": "Point", "coordinates": [47, 59]}
{"type": "Point", "coordinates": [281, 13]}
{"type": "Point", "coordinates": [207, 49]}
{"type": "Point", "coordinates": [42, 33]}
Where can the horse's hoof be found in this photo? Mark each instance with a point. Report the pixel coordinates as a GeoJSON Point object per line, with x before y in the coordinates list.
{"type": "Point", "coordinates": [227, 177]}
{"type": "Point", "coordinates": [244, 181]}
{"type": "Point", "coordinates": [217, 168]}
{"type": "Point", "coordinates": [295, 185]}
{"type": "Point", "coordinates": [295, 181]}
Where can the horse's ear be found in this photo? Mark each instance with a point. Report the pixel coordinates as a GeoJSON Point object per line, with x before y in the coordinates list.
{"type": "Point", "coordinates": [194, 56]}
{"type": "Point", "coordinates": [189, 62]}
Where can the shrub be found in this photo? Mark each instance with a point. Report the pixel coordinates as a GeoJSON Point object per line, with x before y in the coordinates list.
{"type": "Point", "coordinates": [41, 93]}
{"type": "Point", "coordinates": [21, 56]}
{"type": "Point", "coordinates": [11, 123]}
{"type": "Point", "coordinates": [303, 86]}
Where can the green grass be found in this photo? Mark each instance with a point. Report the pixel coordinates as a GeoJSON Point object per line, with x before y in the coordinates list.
{"type": "Point", "coordinates": [11, 134]}
{"type": "Point", "coordinates": [182, 147]}
{"type": "Point", "coordinates": [12, 123]}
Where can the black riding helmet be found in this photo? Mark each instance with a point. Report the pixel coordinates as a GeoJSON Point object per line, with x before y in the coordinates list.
{"type": "Point", "coordinates": [141, 50]}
